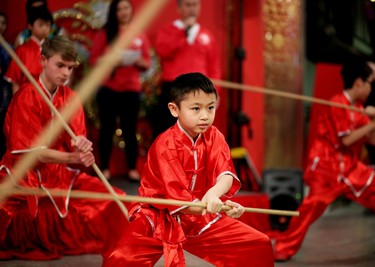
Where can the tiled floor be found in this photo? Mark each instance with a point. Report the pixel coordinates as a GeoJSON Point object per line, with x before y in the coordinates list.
{"type": "Point", "coordinates": [344, 236]}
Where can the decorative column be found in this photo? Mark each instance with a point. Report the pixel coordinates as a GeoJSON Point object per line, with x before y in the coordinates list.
{"type": "Point", "coordinates": [283, 48]}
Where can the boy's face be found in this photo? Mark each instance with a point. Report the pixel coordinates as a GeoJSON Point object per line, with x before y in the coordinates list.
{"type": "Point", "coordinates": [56, 71]}
{"type": "Point", "coordinates": [364, 89]}
{"type": "Point", "coordinates": [40, 29]}
{"type": "Point", "coordinates": [196, 112]}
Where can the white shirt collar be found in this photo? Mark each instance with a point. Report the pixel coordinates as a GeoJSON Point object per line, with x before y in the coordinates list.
{"type": "Point", "coordinates": [347, 96]}
{"type": "Point", "coordinates": [45, 88]}
{"type": "Point", "coordinates": [40, 43]}
{"type": "Point", "coordinates": [193, 32]}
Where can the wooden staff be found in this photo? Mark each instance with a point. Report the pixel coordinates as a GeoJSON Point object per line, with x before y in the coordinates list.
{"type": "Point", "coordinates": [86, 88]}
{"type": "Point", "coordinates": [266, 91]}
{"type": "Point", "coordinates": [158, 201]}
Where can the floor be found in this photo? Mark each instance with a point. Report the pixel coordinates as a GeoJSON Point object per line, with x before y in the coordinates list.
{"type": "Point", "coordinates": [344, 236]}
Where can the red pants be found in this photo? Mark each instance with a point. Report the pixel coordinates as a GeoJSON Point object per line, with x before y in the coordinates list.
{"type": "Point", "coordinates": [89, 227]}
{"type": "Point", "coordinates": [227, 242]}
{"type": "Point", "coordinates": [321, 195]}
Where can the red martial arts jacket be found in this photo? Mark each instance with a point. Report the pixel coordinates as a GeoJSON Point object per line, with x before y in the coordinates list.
{"type": "Point", "coordinates": [179, 168]}
{"type": "Point", "coordinates": [36, 228]}
{"type": "Point", "coordinates": [328, 157]}
{"type": "Point", "coordinates": [27, 116]}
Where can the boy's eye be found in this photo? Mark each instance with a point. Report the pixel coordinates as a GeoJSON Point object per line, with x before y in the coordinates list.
{"type": "Point", "coordinates": [211, 107]}
{"type": "Point", "coordinates": [195, 108]}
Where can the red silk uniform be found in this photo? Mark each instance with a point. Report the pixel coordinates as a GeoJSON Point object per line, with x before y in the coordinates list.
{"type": "Point", "coordinates": [180, 168]}
{"type": "Point", "coordinates": [332, 170]}
{"type": "Point", "coordinates": [29, 54]}
{"type": "Point", "coordinates": [179, 54]}
{"type": "Point", "coordinates": [123, 77]}
{"type": "Point", "coordinates": [38, 228]}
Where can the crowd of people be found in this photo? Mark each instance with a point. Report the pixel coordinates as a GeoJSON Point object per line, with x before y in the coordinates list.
{"type": "Point", "coordinates": [189, 159]}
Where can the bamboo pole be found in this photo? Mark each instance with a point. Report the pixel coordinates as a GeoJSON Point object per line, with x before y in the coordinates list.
{"type": "Point", "coordinates": [232, 85]}
{"type": "Point", "coordinates": [148, 200]}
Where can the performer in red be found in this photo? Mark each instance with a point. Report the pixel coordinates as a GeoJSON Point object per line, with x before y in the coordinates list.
{"type": "Point", "coordinates": [334, 167]}
{"type": "Point", "coordinates": [190, 161]}
{"type": "Point", "coordinates": [39, 24]}
{"type": "Point", "coordinates": [38, 228]}
{"type": "Point", "coordinates": [183, 46]}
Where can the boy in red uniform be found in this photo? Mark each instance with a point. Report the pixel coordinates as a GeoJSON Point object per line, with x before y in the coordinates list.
{"type": "Point", "coordinates": [190, 161]}
{"type": "Point", "coordinates": [334, 168]}
{"type": "Point", "coordinates": [45, 228]}
{"type": "Point", "coordinates": [39, 24]}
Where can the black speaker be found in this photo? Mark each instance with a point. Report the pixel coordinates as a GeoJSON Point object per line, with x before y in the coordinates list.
{"type": "Point", "coordinates": [285, 191]}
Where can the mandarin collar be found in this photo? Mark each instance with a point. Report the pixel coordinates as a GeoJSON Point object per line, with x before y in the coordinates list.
{"type": "Point", "coordinates": [348, 97]}
{"type": "Point", "coordinates": [46, 90]}
{"type": "Point", "coordinates": [183, 136]}
{"type": "Point", "coordinates": [36, 40]}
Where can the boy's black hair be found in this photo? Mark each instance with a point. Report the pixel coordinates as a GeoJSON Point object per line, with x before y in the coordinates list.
{"type": "Point", "coordinates": [39, 13]}
{"type": "Point", "coordinates": [190, 82]}
{"type": "Point", "coordinates": [353, 70]}
{"type": "Point", "coordinates": [2, 14]}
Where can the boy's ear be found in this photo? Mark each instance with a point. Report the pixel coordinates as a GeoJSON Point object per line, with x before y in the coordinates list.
{"type": "Point", "coordinates": [43, 60]}
{"type": "Point", "coordinates": [29, 26]}
{"type": "Point", "coordinates": [173, 109]}
{"type": "Point", "coordinates": [358, 82]}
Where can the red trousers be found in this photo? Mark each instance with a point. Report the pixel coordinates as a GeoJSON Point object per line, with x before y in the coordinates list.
{"type": "Point", "coordinates": [227, 242]}
{"type": "Point", "coordinates": [321, 195]}
{"type": "Point", "coordinates": [89, 227]}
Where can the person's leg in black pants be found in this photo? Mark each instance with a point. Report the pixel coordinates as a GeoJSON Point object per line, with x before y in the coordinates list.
{"type": "Point", "coordinates": [130, 105]}
{"type": "Point", "coordinates": [106, 99]}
